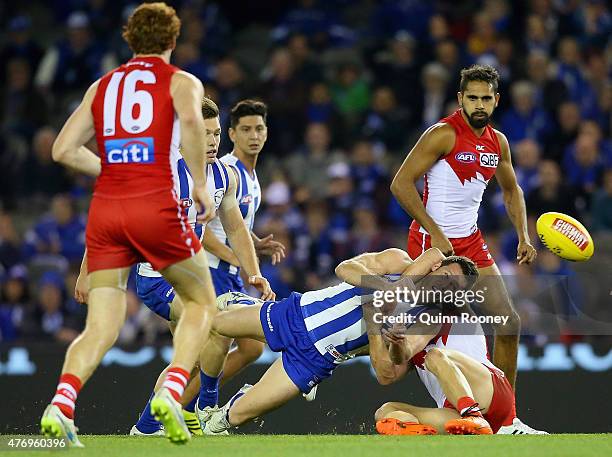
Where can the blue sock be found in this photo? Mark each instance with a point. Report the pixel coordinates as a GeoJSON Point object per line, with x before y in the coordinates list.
{"type": "Point", "coordinates": [147, 423]}
{"type": "Point", "coordinates": [209, 390]}
{"type": "Point", "coordinates": [191, 405]}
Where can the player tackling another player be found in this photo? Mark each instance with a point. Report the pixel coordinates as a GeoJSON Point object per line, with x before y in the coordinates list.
{"type": "Point", "coordinates": [139, 113]}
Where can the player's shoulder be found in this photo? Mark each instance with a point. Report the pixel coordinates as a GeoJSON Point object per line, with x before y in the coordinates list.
{"type": "Point", "coordinates": [183, 80]}
{"type": "Point", "coordinates": [501, 139]}
{"type": "Point", "coordinates": [441, 131]}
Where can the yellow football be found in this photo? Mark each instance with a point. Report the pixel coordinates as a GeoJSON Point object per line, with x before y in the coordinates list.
{"type": "Point", "coordinates": [565, 236]}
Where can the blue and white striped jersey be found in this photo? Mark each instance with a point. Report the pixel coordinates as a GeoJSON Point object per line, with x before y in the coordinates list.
{"type": "Point", "coordinates": [217, 183]}
{"type": "Point", "coordinates": [334, 319]}
{"type": "Point", "coordinates": [248, 195]}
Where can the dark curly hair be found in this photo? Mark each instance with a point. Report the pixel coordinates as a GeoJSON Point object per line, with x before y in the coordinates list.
{"type": "Point", "coordinates": [484, 73]}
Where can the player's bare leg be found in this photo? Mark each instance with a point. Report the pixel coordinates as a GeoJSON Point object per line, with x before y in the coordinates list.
{"type": "Point", "coordinates": [273, 390]}
{"type": "Point", "coordinates": [467, 385]}
{"type": "Point", "coordinates": [395, 418]}
{"type": "Point", "coordinates": [105, 317]}
{"type": "Point", "coordinates": [192, 283]}
{"type": "Point", "coordinates": [246, 352]}
{"type": "Point", "coordinates": [497, 302]}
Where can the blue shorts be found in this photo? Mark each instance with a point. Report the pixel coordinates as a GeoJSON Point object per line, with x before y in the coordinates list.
{"type": "Point", "coordinates": [156, 294]}
{"type": "Point", "coordinates": [283, 326]}
{"type": "Point", "coordinates": [224, 281]}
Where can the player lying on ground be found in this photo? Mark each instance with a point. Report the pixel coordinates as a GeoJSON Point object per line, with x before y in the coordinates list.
{"type": "Point", "coordinates": [139, 113]}
{"type": "Point", "coordinates": [474, 397]}
{"type": "Point", "coordinates": [318, 330]}
{"type": "Point", "coordinates": [157, 294]}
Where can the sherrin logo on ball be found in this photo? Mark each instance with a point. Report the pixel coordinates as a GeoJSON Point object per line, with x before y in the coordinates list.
{"type": "Point", "coordinates": [565, 236]}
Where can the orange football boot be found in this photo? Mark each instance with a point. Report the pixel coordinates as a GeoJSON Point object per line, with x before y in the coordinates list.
{"type": "Point", "coordinates": [468, 425]}
{"type": "Point", "coordinates": [396, 427]}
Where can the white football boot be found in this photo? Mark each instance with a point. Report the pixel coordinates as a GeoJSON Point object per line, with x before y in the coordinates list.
{"type": "Point", "coordinates": [135, 432]}
{"type": "Point", "coordinates": [235, 298]}
{"type": "Point", "coordinates": [218, 423]}
{"type": "Point", "coordinates": [310, 396]}
{"type": "Point", "coordinates": [519, 428]}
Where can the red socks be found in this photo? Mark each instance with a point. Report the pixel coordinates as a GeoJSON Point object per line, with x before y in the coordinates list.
{"type": "Point", "coordinates": [175, 382]}
{"type": "Point", "coordinates": [66, 394]}
{"type": "Point", "coordinates": [468, 407]}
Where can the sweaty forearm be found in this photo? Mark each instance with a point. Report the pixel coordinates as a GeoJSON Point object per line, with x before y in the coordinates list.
{"type": "Point", "coordinates": [517, 212]}
{"type": "Point", "coordinates": [212, 244]}
{"type": "Point", "coordinates": [357, 274]}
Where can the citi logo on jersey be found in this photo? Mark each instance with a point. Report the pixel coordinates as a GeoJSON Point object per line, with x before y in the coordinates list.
{"type": "Point", "coordinates": [489, 160]}
{"type": "Point", "coordinates": [131, 150]}
{"type": "Point", "coordinates": [465, 157]}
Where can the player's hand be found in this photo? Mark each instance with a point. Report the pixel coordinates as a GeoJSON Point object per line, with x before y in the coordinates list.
{"type": "Point", "coordinates": [440, 241]}
{"type": "Point", "coordinates": [267, 246]}
{"type": "Point", "coordinates": [81, 289]}
{"type": "Point", "coordinates": [263, 286]}
{"type": "Point", "coordinates": [525, 253]}
{"type": "Point", "coordinates": [393, 334]}
{"type": "Point", "coordinates": [204, 204]}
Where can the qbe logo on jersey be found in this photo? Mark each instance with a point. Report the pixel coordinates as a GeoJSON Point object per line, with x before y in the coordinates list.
{"type": "Point", "coordinates": [489, 160]}
{"type": "Point", "coordinates": [132, 150]}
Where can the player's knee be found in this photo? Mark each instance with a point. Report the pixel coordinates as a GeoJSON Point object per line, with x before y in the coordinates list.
{"type": "Point", "coordinates": [104, 335]}
{"type": "Point", "coordinates": [383, 411]}
{"type": "Point", "coordinates": [435, 358]}
{"type": "Point", "coordinates": [251, 351]}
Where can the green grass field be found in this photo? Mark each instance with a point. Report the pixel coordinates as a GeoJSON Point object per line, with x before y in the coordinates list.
{"type": "Point", "coordinates": [341, 446]}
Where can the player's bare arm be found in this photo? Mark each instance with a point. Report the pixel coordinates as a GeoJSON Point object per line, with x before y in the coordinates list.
{"type": "Point", "coordinates": [212, 244]}
{"type": "Point", "coordinates": [436, 142]}
{"type": "Point", "coordinates": [386, 371]}
{"type": "Point", "coordinates": [514, 202]}
{"type": "Point", "coordinates": [372, 266]}
{"type": "Point", "coordinates": [69, 149]}
{"type": "Point", "coordinates": [240, 240]}
{"type": "Point", "coordinates": [187, 93]}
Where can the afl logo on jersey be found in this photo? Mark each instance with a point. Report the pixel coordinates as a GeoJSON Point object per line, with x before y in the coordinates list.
{"type": "Point", "coordinates": [246, 200]}
{"type": "Point", "coordinates": [131, 150]}
{"type": "Point", "coordinates": [465, 157]}
{"type": "Point", "coordinates": [489, 160]}
{"type": "Point", "coordinates": [186, 202]}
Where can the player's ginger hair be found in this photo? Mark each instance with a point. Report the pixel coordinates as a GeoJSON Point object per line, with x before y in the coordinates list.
{"type": "Point", "coordinates": [152, 28]}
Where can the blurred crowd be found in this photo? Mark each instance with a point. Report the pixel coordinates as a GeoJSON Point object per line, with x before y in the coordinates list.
{"type": "Point", "coordinates": [350, 86]}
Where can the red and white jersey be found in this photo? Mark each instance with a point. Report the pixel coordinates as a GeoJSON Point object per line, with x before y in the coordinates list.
{"type": "Point", "coordinates": [136, 128]}
{"type": "Point", "coordinates": [468, 339]}
{"type": "Point", "coordinates": [455, 183]}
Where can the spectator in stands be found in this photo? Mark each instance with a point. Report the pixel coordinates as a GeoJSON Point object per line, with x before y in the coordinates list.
{"type": "Point", "coordinates": [366, 235]}
{"type": "Point", "coordinates": [435, 80]}
{"type": "Point", "coordinates": [601, 210]}
{"type": "Point", "coordinates": [24, 108]}
{"type": "Point", "coordinates": [367, 173]}
{"type": "Point", "coordinates": [538, 36]}
{"type": "Point", "coordinates": [10, 244]}
{"type": "Point", "coordinates": [350, 91]}
{"type": "Point", "coordinates": [527, 155]}
{"type": "Point", "coordinates": [285, 95]}
{"type": "Point", "coordinates": [61, 232]}
{"type": "Point", "coordinates": [570, 71]}
{"type": "Point", "coordinates": [385, 122]}
{"type": "Point", "coordinates": [49, 320]}
{"type": "Point", "coordinates": [76, 61]}
{"type": "Point", "coordinates": [187, 56]}
{"type": "Point", "coordinates": [551, 194]}
{"type": "Point", "coordinates": [307, 168]}
{"type": "Point", "coordinates": [307, 68]}
{"type": "Point", "coordinates": [321, 110]}
{"type": "Point", "coordinates": [524, 119]}
{"type": "Point", "coordinates": [564, 133]}
{"type": "Point", "coordinates": [13, 303]}
{"type": "Point", "coordinates": [583, 164]}
{"type": "Point", "coordinates": [42, 176]}
{"type": "Point", "coordinates": [549, 92]}
{"type": "Point", "coordinates": [483, 36]}
{"type": "Point", "coordinates": [396, 67]}
{"type": "Point", "coordinates": [20, 45]}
